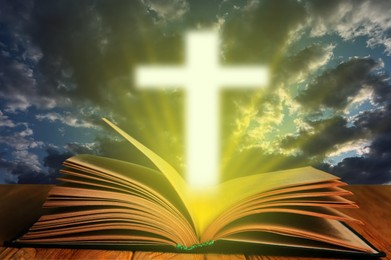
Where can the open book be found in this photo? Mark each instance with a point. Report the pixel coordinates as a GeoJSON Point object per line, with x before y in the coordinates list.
{"type": "Point", "coordinates": [107, 203]}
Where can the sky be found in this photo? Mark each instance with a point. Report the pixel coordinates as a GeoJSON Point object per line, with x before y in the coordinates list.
{"type": "Point", "coordinates": [66, 64]}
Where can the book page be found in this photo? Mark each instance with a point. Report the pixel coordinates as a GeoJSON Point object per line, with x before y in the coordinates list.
{"type": "Point", "coordinates": [305, 227]}
{"type": "Point", "coordinates": [213, 201]}
{"type": "Point", "coordinates": [206, 204]}
{"type": "Point", "coordinates": [171, 174]}
{"type": "Point", "coordinates": [126, 173]}
{"type": "Point", "coordinates": [109, 181]}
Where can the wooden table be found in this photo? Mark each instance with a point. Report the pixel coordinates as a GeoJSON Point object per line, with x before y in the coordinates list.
{"type": "Point", "coordinates": [20, 206]}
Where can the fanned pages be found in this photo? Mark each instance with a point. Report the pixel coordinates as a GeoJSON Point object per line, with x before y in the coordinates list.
{"type": "Point", "coordinates": [107, 203]}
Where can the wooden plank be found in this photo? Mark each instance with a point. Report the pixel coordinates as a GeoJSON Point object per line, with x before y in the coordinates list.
{"type": "Point", "coordinates": [158, 255]}
{"type": "Point", "coordinates": [224, 257]}
{"type": "Point", "coordinates": [284, 258]}
{"type": "Point", "coordinates": [102, 254]}
{"type": "Point", "coordinates": [54, 253]}
{"type": "Point", "coordinates": [8, 253]}
{"type": "Point", "coordinates": [59, 253]}
{"type": "Point", "coordinates": [2, 248]}
{"type": "Point", "coordinates": [25, 253]}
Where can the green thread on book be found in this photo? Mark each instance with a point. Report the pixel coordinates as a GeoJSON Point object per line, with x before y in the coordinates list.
{"type": "Point", "coordinates": [189, 248]}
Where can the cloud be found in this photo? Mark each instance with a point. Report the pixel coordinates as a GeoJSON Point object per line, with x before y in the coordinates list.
{"type": "Point", "coordinates": [325, 125]}
{"type": "Point", "coordinates": [79, 56]}
{"type": "Point", "coordinates": [262, 118]}
{"type": "Point", "coordinates": [5, 171]}
{"type": "Point", "coordinates": [18, 59]}
{"type": "Point", "coordinates": [89, 49]}
{"type": "Point", "coordinates": [375, 121]}
{"type": "Point", "coordinates": [53, 162]}
{"type": "Point", "coordinates": [322, 139]}
{"type": "Point", "coordinates": [358, 146]}
{"type": "Point", "coordinates": [351, 19]}
{"type": "Point", "coordinates": [371, 168]}
{"type": "Point", "coordinates": [82, 148]}
{"type": "Point", "coordinates": [26, 167]}
{"type": "Point", "coordinates": [5, 121]}
{"type": "Point", "coordinates": [20, 159]}
{"type": "Point", "coordinates": [72, 56]}
{"type": "Point", "coordinates": [19, 87]}
{"type": "Point", "coordinates": [296, 68]}
{"type": "Point", "coordinates": [27, 158]}
{"type": "Point", "coordinates": [264, 29]}
{"type": "Point", "coordinates": [18, 143]}
{"type": "Point", "coordinates": [11, 171]}
{"type": "Point", "coordinates": [20, 138]}
{"type": "Point", "coordinates": [229, 8]}
{"type": "Point", "coordinates": [20, 162]}
{"type": "Point", "coordinates": [67, 119]}
{"type": "Point", "coordinates": [336, 87]}
{"type": "Point", "coordinates": [50, 59]}
{"type": "Point", "coordinates": [332, 132]}
{"type": "Point", "coordinates": [166, 10]}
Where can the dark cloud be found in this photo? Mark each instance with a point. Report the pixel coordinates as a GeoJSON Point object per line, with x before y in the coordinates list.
{"type": "Point", "coordinates": [5, 169]}
{"type": "Point", "coordinates": [264, 30]}
{"type": "Point", "coordinates": [5, 121]}
{"type": "Point", "coordinates": [27, 177]}
{"type": "Point", "coordinates": [94, 45]}
{"type": "Point", "coordinates": [18, 74]}
{"type": "Point", "coordinates": [18, 57]}
{"type": "Point", "coordinates": [323, 137]}
{"type": "Point", "coordinates": [62, 53]}
{"type": "Point", "coordinates": [335, 87]}
{"type": "Point", "coordinates": [53, 163]}
{"type": "Point", "coordinates": [371, 168]}
{"type": "Point", "coordinates": [376, 121]}
{"type": "Point", "coordinates": [297, 67]}
{"type": "Point", "coordinates": [21, 172]}
{"type": "Point", "coordinates": [16, 13]}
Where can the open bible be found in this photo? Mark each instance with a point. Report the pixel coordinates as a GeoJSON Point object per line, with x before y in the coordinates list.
{"type": "Point", "coordinates": [107, 203]}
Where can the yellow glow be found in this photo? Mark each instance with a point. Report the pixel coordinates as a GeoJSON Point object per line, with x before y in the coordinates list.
{"type": "Point", "coordinates": [203, 78]}
{"type": "Point", "coordinates": [206, 206]}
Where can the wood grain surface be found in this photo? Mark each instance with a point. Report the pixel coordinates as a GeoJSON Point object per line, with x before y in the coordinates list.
{"type": "Point", "coordinates": [20, 206]}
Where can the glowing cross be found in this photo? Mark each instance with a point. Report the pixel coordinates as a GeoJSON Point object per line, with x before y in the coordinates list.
{"type": "Point", "coordinates": [203, 77]}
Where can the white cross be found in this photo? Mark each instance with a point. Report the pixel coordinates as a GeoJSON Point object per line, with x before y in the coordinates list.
{"type": "Point", "coordinates": [203, 78]}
